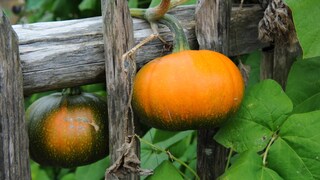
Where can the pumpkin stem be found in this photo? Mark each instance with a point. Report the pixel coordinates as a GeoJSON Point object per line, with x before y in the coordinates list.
{"type": "Point", "coordinates": [158, 13]}
{"type": "Point", "coordinates": [180, 39]}
{"type": "Point", "coordinates": [71, 91]}
{"type": "Point", "coordinates": [151, 14]}
{"type": "Point", "coordinates": [175, 3]}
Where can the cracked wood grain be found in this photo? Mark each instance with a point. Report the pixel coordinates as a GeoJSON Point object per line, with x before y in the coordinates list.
{"type": "Point", "coordinates": [14, 158]}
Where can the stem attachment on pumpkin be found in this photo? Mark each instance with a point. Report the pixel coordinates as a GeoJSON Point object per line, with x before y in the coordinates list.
{"type": "Point", "coordinates": [180, 39]}
{"type": "Point", "coordinates": [158, 13]}
{"type": "Point", "coordinates": [71, 91]}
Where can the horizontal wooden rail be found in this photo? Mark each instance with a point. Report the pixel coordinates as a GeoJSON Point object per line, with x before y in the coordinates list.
{"type": "Point", "coordinates": [61, 54]}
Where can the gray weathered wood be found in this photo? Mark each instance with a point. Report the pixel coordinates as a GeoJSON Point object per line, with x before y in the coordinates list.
{"type": "Point", "coordinates": [212, 33]}
{"type": "Point", "coordinates": [266, 64]}
{"type": "Point", "coordinates": [283, 60]}
{"type": "Point", "coordinates": [68, 53]}
{"type": "Point", "coordinates": [243, 31]}
{"type": "Point", "coordinates": [118, 39]}
{"type": "Point", "coordinates": [14, 158]}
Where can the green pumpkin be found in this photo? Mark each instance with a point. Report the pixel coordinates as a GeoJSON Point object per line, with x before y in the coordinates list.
{"type": "Point", "coordinates": [68, 129]}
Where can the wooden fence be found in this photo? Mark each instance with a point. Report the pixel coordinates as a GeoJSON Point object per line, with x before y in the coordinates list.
{"type": "Point", "coordinates": [53, 55]}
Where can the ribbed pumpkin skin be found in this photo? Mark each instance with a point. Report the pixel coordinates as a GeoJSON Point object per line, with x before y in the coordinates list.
{"type": "Point", "coordinates": [187, 90]}
{"type": "Point", "coordinates": [68, 131]}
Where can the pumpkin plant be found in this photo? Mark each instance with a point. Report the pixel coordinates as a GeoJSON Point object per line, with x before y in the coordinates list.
{"type": "Point", "coordinates": [68, 129]}
{"type": "Point", "coordinates": [188, 89]}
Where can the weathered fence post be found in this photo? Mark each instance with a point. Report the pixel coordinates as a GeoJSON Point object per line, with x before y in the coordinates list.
{"type": "Point", "coordinates": [118, 39]}
{"type": "Point", "coordinates": [14, 158]}
{"type": "Point", "coordinates": [212, 30]}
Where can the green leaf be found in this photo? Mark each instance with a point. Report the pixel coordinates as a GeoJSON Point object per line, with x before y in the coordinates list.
{"type": "Point", "coordinates": [249, 166]}
{"type": "Point", "coordinates": [296, 153]}
{"type": "Point", "coordinates": [87, 5]}
{"type": "Point", "coordinates": [303, 80]}
{"type": "Point", "coordinates": [35, 4]}
{"type": "Point", "coordinates": [185, 148]}
{"type": "Point", "coordinates": [253, 61]}
{"type": "Point", "coordinates": [64, 172]}
{"type": "Point", "coordinates": [263, 110]}
{"type": "Point", "coordinates": [42, 175]}
{"type": "Point", "coordinates": [69, 176]}
{"type": "Point", "coordinates": [305, 16]}
{"type": "Point", "coordinates": [93, 171]}
{"type": "Point", "coordinates": [133, 3]}
{"type": "Point", "coordinates": [151, 158]}
{"type": "Point", "coordinates": [63, 10]}
{"type": "Point", "coordinates": [193, 165]}
{"type": "Point", "coordinates": [37, 173]}
{"type": "Point", "coordinates": [166, 170]}
{"type": "Point", "coordinates": [154, 3]}
{"type": "Point", "coordinates": [310, 104]}
{"type": "Point", "coordinates": [164, 139]}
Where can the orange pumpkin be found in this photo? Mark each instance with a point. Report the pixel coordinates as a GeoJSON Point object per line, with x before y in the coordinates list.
{"type": "Point", "coordinates": [187, 90]}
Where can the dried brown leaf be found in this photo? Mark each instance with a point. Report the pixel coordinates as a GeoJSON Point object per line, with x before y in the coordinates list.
{"type": "Point", "coordinates": [127, 163]}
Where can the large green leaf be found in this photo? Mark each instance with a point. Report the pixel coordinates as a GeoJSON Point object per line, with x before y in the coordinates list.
{"type": "Point", "coordinates": [303, 80]}
{"type": "Point", "coordinates": [296, 152]}
{"type": "Point", "coordinates": [306, 15]}
{"type": "Point", "coordinates": [249, 166]}
{"type": "Point", "coordinates": [311, 104]}
{"type": "Point", "coordinates": [262, 112]}
{"type": "Point", "coordinates": [166, 170]}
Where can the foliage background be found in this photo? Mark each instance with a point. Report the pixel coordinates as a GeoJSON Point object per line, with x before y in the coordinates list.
{"type": "Point", "coordinates": [275, 134]}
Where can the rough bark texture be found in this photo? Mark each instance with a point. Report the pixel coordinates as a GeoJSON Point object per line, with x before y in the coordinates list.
{"type": "Point", "coordinates": [14, 158]}
{"type": "Point", "coordinates": [212, 29]}
{"type": "Point", "coordinates": [266, 64]}
{"type": "Point", "coordinates": [118, 39]}
{"type": "Point", "coordinates": [283, 60]}
{"type": "Point", "coordinates": [59, 54]}
{"type": "Point", "coordinates": [276, 62]}
{"type": "Point", "coordinates": [212, 24]}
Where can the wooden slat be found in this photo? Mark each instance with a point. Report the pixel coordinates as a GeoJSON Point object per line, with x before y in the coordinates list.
{"type": "Point", "coordinates": [68, 53]}
{"type": "Point", "coordinates": [14, 156]}
{"type": "Point", "coordinates": [118, 39]}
